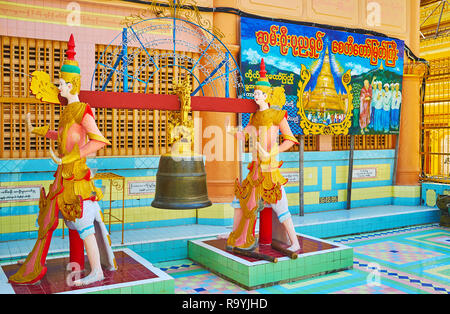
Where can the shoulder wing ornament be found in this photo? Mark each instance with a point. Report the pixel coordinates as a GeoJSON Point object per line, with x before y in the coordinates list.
{"type": "Point", "coordinates": [43, 88]}
{"type": "Point", "coordinates": [278, 98]}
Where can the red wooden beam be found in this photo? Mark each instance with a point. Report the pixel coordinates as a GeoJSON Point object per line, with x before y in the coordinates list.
{"type": "Point", "coordinates": [119, 100]}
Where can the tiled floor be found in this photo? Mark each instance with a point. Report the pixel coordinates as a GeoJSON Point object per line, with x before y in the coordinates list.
{"type": "Point", "coordinates": [409, 260]}
{"type": "Point", "coordinates": [21, 248]}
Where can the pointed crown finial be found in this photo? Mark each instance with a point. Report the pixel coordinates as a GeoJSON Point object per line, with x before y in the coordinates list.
{"type": "Point", "coordinates": [70, 52]}
{"type": "Point", "coordinates": [70, 71]}
{"type": "Point", "coordinates": [70, 65]}
{"type": "Point", "coordinates": [262, 71]}
{"type": "Point", "coordinates": [263, 80]}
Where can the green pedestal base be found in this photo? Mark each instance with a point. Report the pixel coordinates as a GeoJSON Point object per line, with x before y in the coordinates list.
{"type": "Point", "coordinates": [250, 274]}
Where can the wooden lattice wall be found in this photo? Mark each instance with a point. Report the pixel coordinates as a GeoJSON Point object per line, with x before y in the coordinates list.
{"type": "Point", "coordinates": [435, 148]}
{"type": "Point", "coordinates": [131, 132]}
{"type": "Point", "coordinates": [139, 132]}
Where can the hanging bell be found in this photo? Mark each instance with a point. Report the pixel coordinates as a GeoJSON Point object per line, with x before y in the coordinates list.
{"type": "Point", "coordinates": [181, 183]}
{"type": "Point", "coordinates": [181, 176]}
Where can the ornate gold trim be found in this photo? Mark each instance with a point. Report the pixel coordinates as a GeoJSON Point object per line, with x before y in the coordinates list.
{"type": "Point", "coordinates": [41, 131]}
{"type": "Point", "coordinates": [311, 128]}
{"type": "Point", "coordinates": [290, 138]}
{"type": "Point", "coordinates": [98, 137]}
{"type": "Point", "coordinates": [181, 9]}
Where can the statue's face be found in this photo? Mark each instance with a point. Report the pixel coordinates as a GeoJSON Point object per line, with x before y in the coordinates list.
{"type": "Point", "coordinates": [260, 97]}
{"type": "Point", "coordinates": [64, 88]}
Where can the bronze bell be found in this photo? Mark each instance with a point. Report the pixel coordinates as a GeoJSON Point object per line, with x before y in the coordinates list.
{"type": "Point", "coordinates": [181, 183]}
{"type": "Point", "coordinates": [181, 176]}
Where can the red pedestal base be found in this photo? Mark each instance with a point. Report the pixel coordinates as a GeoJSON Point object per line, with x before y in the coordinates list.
{"type": "Point", "coordinates": [76, 248]}
{"type": "Point", "coordinates": [265, 226]}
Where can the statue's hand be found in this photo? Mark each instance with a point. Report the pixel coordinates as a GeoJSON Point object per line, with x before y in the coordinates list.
{"type": "Point", "coordinates": [231, 129]}
{"type": "Point", "coordinates": [228, 125]}
{"type": "Point", "coordinates": [30, 126]}
{"type": "Point", "coordinates": [55, 158]}
{"type": "Point", "coordinates": [40, 131]}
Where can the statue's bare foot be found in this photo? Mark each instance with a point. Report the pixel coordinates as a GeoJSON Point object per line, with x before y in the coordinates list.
{"type": "Point", "coordinates": [294, 248]}
{"type": "Point", "coordinates": [94, 276]}
{"type": "Point", "coordinates": [112, 268]}
{"type": "Point", "coordinates": [223, 236]}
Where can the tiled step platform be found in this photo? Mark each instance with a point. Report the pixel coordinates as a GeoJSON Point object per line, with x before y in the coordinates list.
{"type": "Point", "coordinates": [134, 275]}
{"type": "Point", "coordinates": [171, 243]}
{"type": "Point", "coordinates": [317, 257]}
{"type": "Point", "coordinates": [364, 219]}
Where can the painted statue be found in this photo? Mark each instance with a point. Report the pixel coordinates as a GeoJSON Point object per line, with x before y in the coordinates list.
{"type": "Point", "coordinates": [378, 111]}
{"type": "Point", "coordinates": [386, 101]}
{"type": "Point", "coordinates": [372, 103]}
{"type": "Point", "coordinates": [72, 195]}
{"type": "Point", "coordinates": [364, 108]}
{"type": "Point", "coordinates": [263, 186]}
{"type": "Point", "coordinates": [395, 109]}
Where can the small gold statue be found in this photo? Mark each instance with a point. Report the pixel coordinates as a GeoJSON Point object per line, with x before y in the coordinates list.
{"type": "Point", "coordinates": [180, 127]}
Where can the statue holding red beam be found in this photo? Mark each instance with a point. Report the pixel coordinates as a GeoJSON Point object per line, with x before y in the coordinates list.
{"type": "Point", "coordinates": [72, 195]}
{"type": "Point", "coordinates": [263, 186]}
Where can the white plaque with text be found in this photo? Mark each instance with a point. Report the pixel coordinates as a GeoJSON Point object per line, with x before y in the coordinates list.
{"type": "Point", "coordinates": [141, 187]}
{"type": "Point", "coordinates": [291, 176]}
{"type": "Point", "coordinates": [364, 173]}
{"type": "Point", "coordinates": [20, 193]}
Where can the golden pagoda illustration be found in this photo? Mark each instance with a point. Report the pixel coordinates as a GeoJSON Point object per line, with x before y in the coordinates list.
{"type": "Point", "coordinates": [324, 96]}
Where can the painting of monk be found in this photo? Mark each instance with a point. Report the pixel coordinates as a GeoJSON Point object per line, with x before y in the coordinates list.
{"type": "Point", "coordinates": [364, 111]}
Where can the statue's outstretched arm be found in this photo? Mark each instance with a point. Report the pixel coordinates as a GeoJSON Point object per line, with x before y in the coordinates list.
{"type": "Point", "coordinates": [41, 131]}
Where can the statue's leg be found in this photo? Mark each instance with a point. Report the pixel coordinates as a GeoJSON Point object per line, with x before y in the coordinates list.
{"type": "Point", "coordinates": [85, 228]}
{"type": "Point", "coordinates": [289, 227]}
{"type": "Point", "coordinates": [281, 209]}
{"type": "Point", "coordinates": [93, 254]}
{"type": "Point", "coordinates": [107, 258]}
